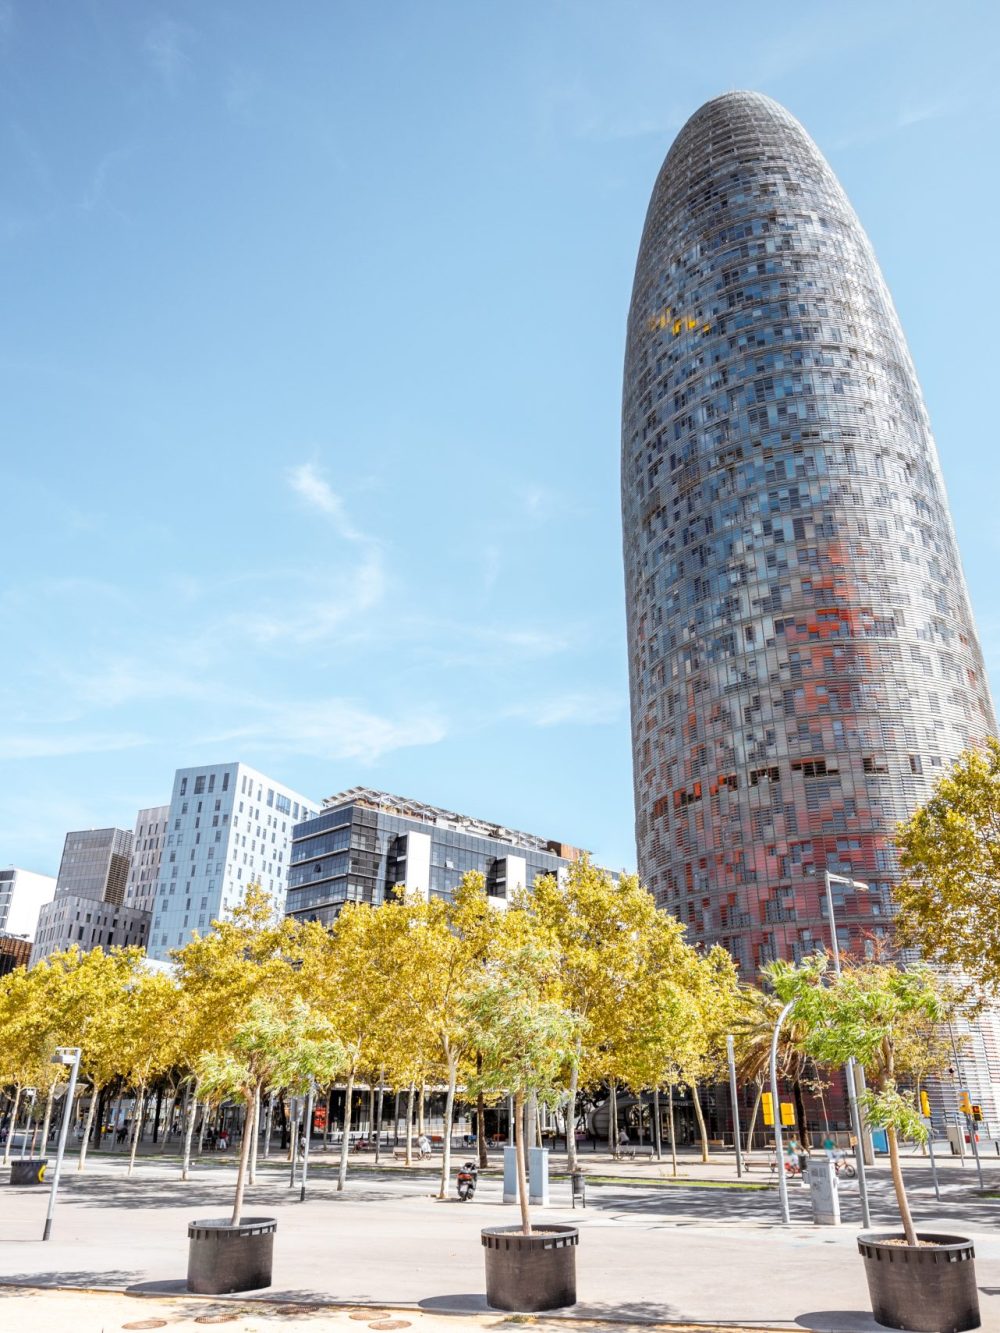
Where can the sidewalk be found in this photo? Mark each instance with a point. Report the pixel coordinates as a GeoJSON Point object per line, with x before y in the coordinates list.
{"type": "Point", "coordinates": [650, 1253]}
{"type": "Point", "coordinates": [38, 1311]}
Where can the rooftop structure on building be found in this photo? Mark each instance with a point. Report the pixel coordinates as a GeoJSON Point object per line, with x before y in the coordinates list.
{"type": "Point", "coordinates": [366, 846]}
{"type": "Point", "coordinates": [23, 893]}
{"type": "Point", "coordinates": [228, 826]}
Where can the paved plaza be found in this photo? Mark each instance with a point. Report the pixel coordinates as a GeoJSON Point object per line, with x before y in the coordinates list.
{"type": "Point", "coordinates": [651, 1251]}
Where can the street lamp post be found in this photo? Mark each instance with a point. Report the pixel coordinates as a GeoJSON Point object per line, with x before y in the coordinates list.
{"type": "Point", "coordinates": [731, 1059]}
{"type": "Point", "coordinates": [65, 1055]}
{"type": "Point", "coordinates": [779, 1154]}
{"type": "Point", "coordinates": [852, 1093]}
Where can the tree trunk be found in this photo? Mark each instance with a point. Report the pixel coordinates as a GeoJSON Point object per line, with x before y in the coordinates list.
{"type": "Point", "coordinates": [137, 1126]}
{"type": "Point", "coordinates": [49, 1103]}
{"type": "Point", "coordinates": [696, 1103]}
{"type": "Point", "coordinates": [13, 1123]}
{"type": "Point", "coordinates": [205, 1110]}
{"type": "Point", "coordinates": [409, 1127]}
{"type": "Point", "coordinates": [574, 1082]}
{"type": "Point", "coordinates": [421, 1127]}
{"type": "Point", "coordinates": [673, 1128]}
{"type": "Point", "coordinates": [168, 1119]}
{"type": "Point", "coordinates": [800, 1111]}
{"type": "Point", "coordinates": [522, 1174]}
{"type": "Point", "coordinates": [378, 1115]}
{"type": "Point", "coordinates": [192, 1116]}
{"type": "Point", "coordinates": [241, 1174]}
{"type": "Point", "coordinates": [656, 1125]}
{"type": "Point", "coordinates": [91, 1112]}
{"type": "Point", "coordinates": [371, 1108]}
{"type": "Point", "coordinates": [268, 1122]}
{"type": "Point", "coordinates": [753, 1115]}
{"type": "Point", "coordinates": [156, 1117]}
{"type": "Point", "coordinates": [255, 1128]}
{"type": "Point", "coordinates": [345, 1142]}
{"type": "Point", "coordinates": [481, 1119]}
{"type": "Point", "coordinates": [612, 1117]}
{"type": "Point", "coordinates": [449, 1111]}
{"type": "Point", "coordinates": [898, 1186]}
{"type": "Point", "coordinates": [99, 1123]}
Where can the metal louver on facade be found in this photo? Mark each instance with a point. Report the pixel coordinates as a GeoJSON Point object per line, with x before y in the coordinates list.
{"type": "Point", "coordinates": [802, 655]}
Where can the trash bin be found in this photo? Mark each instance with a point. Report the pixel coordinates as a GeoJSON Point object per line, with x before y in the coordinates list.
{"type": "Point", "coordinates": [578, 1182]}
{"type": "Point", "coordinates": [28, 1171]}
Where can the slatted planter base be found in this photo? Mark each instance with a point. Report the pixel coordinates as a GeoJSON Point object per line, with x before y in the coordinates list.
{"type": "Point", "coordinates": [530, 1273]}
{"type": "Point", "coordinates": [926, 1288]}
{"type": "Point", "coordinates": [223, 1258]}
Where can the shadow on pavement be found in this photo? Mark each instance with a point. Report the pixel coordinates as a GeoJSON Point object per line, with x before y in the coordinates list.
{"type": "Point", "coordinates": [92, 1277]}
{"type": "Point", "coordinates": [460, 1303]}
{"type": "Point", "coordinates": [840, 1321]}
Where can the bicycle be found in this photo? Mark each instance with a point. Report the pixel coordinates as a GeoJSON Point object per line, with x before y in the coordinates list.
{"type": "Point", "coordinates": [845, 1167]}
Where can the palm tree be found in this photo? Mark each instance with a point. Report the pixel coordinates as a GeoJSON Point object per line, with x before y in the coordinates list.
{"type": "Point", "coordinates": [753, 1031]}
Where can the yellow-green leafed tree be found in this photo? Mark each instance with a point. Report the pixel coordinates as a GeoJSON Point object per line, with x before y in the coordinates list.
{"type": "Point", "coordinates": [150, 1040]}
{"type": "Point", "coordinates": [278, 1042]}
{"type": "Point", "coordinates": [93, 988]}
{"type": "Point", "coordinates": [353, 980]}
{"type": "Point", "coordinates": [661, 1031]}
{"type": "Point", "coordinates": [600, 931]}
{"type": "Point", "coordinates": [251, 954]}
{"type": "Point", "coordinates": [24, 1046]}
{"type": "Point", "coordinates": [526, 1036]}
{"type": "Point", "coordinates": [950, 855]}
{"type": "Point", "coordinates": [452, 943]}
{"type": "Point", "coordinates": [714, 985]}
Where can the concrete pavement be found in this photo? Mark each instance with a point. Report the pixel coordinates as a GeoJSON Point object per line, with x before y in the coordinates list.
{"type": "Point", "coordinates": [650, 1251]}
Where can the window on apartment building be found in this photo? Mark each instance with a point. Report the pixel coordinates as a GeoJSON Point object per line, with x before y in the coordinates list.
{"type": "Point", "coordinates": [225, 780]}
{"type": "Point", "coordinates": [199, 785]}
{"type": "Point", "coordinates": [184, 786]}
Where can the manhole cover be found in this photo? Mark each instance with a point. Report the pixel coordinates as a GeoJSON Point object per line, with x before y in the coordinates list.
{"type": "Point", "coordinates": [390, 1323]}
{"type": "Point", "coordinates": [146, 1323]}
{"type": "Point", "coordinates": [216, 1318]}
{"type": "Point", "coordinates": [365, 1315]}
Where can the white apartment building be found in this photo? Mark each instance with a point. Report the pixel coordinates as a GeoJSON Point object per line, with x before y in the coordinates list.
{"type": "Point", "coordinates": [147, 847]}
{"type": "Point", "coordinates": [228, 826]}
{"type": "Point", "coordinates": [22, 894]}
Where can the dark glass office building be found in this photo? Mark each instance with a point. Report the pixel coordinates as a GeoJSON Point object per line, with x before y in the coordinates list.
{"type": "Point", "coordinates": [802, 654]}
{"type": "Point", "coordinates": [366, 845]}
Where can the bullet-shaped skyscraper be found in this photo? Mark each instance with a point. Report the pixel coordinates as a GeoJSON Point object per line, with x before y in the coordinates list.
{"type": "Point", "coordinates": [802, 655]}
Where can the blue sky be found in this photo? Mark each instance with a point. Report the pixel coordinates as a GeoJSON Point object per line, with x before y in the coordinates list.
{"type": "Point", "coordinates": [310, 374]}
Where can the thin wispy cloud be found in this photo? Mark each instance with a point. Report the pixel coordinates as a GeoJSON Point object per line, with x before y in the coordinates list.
{"type": "Point", "coordinates": [49, 747]}
{"type": "Point", "coordinates": [96, 195]}
{"type": "Point", "coordinates": [581, 708]}
{"type": "Point", "coordinates": [316, 493]}
{"type": "Point", "coordinates": [335, 729]}
{"type": "Point", "coordinates": [165, 47]}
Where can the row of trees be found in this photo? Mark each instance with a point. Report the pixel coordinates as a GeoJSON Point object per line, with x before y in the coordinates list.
{"type": "Point", "coordinates": [573, 986]}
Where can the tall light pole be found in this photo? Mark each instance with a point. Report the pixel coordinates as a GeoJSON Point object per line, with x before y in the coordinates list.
{"type": "Point", "coordinates": [852, 1092]}
{"type": "Point", "coordinates": [779, 1152]}
{"type": "Point", "coordinates": [731, 1060]}
{"type": "Point", "coordinates": [65, 1055]}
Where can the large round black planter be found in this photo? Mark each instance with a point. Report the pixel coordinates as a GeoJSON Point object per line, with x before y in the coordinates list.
{"type": "Point", "coordinates": [223, 1257]}
{"type": "Point", "coordinates": [927, 1288]}
{"type": "Point", "coordinates": [529, 1273]}
{"type": "Point", "coordinates": [28, 1171]}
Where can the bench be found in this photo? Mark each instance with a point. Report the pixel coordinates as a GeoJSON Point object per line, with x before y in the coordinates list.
{"type": "Point", "coordinates": [631, 1151]}
{"type": "Point", "coordinates": [415, 1154]}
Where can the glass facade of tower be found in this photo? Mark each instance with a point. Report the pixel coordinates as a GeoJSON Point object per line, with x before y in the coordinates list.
{"type": "Point", "coordinates": [803, 660]}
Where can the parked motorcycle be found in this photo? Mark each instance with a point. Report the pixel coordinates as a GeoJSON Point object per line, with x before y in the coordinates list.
{"type": "Point", "coordinates": [468, 1175]}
